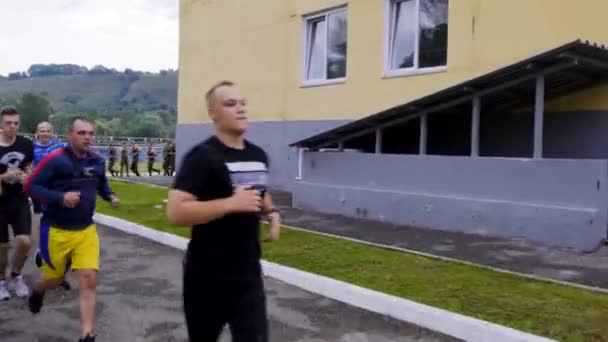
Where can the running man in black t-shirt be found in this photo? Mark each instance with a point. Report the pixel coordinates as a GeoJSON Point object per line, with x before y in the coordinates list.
{"type": "Point", "coordinates": [16, 156]}
{"type": "Point", "coordinates": [221, 191]}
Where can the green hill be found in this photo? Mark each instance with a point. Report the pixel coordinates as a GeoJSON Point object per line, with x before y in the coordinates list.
{"type": "Point", "coordinates": [109, 94]}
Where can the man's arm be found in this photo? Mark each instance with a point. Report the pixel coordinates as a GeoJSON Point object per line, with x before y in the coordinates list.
{"type": "Point", "coordinates": [37, 185]}
{"type": "Point", "coordinates": [28, 163]}
{"type": "Point", "coordinates": [10, 175]}
{"type": "Point", "coordinates": [274, 218]}
{"type": "Point", "coordinates": [184, 208]}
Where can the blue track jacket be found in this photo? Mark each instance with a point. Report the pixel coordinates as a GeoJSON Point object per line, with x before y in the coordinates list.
{"type": "Point", "coordinates": [62, 171]}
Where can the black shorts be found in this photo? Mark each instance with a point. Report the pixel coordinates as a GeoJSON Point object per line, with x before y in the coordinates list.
{"type": "Point", "coordinates": [37, 206]}
{"type": "Point", "coordinates": [18, 217]}
{"type": "Point", "coordinates": [211, 304]}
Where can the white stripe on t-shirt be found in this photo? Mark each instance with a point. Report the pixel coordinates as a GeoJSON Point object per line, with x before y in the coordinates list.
{"type": "Point", "coordinates": [246, 166]}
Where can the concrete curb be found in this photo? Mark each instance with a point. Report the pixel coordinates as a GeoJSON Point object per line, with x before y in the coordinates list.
{"type": "Point", "coordinates": [442, 321]}
{"type": "Point", "coordinates": [415, 252]}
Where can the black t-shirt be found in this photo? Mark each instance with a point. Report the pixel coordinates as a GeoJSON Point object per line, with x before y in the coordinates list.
{"type": "Point", "coordinates": [227, 248]}
{"type": "Point", "coordinates": [17, 156]}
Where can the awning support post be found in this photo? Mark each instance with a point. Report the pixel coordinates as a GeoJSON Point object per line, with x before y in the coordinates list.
{"type": "Point", "coordinates": [424, 118]}
{"type": "Point", "coordinates": [300, 162]}
{"type": "Point", "coordinates": [539, 109]}
{"type": "Point", "coordinates": [378, 140]}
{"type": "Point", "coordinates": [475, 126]}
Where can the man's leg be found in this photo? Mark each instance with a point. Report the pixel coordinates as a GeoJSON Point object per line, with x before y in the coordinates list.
{"type": "Point", "coordinates": [205, 306]}
{"type": "Point", "coordinates": [21, 223]}
{"type": "Point", "coordinates": [22, 250]}
{"type": "Point", "coordinates": [87, 281]}
{"type": "Point", "coordinates": [111, 167]}
{"type": "Point", "coordinates": [248, 320]}
{"type": "Point", "coordinates": [135, 169]}
{"type": "Point", "coordinates": [36, 298]}
{"type": "Point", "coordinates": [36, 217]}
{"type": "Point", "coordinates": [54, 251]}
{"type": "Point", "coordinates": [85, 261]}
{"type": "Point", "coordinates": [4, 246]}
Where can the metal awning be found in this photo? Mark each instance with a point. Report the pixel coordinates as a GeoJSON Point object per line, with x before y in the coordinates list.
{"type": "Point", "coordinates": [570, 67]}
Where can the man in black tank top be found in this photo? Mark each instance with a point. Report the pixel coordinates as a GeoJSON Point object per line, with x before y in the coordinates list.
{"type": "Point", "coordinates": [221, 191]}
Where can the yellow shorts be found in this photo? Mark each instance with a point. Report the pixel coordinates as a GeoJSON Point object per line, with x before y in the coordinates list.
{"type": "Point", "coordinates": [58, 247]}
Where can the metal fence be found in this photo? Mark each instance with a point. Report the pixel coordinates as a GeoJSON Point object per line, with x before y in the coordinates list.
{"type": "Point", "coordinates": [103, 140]}
{"type": "Point", "coordinates": [102, 145]}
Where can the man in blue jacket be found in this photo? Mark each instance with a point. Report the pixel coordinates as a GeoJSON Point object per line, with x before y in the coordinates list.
{"type": "Point", "coordinates": [43, 145]}
{"type": "Point", "coordinates": [45, 142]}
{"type": "Point", "coordinates": [67, 182]}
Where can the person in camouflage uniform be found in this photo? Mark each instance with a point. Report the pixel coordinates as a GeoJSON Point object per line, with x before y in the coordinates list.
{"type": "Point", "coordinates": [166, 160]}
{"type": "Point", "coordinates": [151, 157]}
{"type": "Point", "coordinates": [135, 160]}
{"type": "Point", "coordinates": [124, 160]}
{"type": "Point", "coordinates": [172, 159]}
{"type": "Point", "coordinates": [112, 160]}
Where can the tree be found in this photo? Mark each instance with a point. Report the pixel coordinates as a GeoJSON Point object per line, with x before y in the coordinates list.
{"type": "Point", "coordinates": [101, 127]}
{"type": "Point", "coordinates": [33, 109]}
{"type": "Point", "coordinates": [13, 76]}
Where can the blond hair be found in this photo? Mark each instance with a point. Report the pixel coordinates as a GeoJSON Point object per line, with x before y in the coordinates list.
{"type": "Point", "coordinates": [211, 91]}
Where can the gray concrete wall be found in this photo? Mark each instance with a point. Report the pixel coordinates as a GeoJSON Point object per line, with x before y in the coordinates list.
{"type": "Point", "coordinates": [551, 201]}
{"type": "Point", "coordinates": [557, 202]}
{"type": "Point", "coordinates": [274, 137]}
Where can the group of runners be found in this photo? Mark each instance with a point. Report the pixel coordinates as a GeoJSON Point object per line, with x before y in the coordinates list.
{"type": "Point", "coordinates": [220, 191]}
{"type": "Point", "coordinates": [168, 160]}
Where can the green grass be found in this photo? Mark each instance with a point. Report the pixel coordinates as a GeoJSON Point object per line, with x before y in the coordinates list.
{"type": "Point", "coordinates": [142, 167]}
{"type": "Point", "coordinates": [560, 312]}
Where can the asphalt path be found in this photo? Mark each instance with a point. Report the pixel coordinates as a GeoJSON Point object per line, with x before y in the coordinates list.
{"type": "Point", "coordinates": [139, 299]}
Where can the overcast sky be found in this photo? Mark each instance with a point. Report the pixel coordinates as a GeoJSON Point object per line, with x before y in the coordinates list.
{"type": "Point", "coordinates": [136, 34]}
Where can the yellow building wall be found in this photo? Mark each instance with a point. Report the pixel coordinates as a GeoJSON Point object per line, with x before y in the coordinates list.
{"type": "Point", "coordinates": [240, 40]}
{"type": "Point", "coordinates": [259, 45]}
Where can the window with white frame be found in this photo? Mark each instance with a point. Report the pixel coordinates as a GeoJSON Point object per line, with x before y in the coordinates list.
{"type": "Point", "coordinates": [418, 35]}
{"type": "Point", "coordinates": [326, 45]}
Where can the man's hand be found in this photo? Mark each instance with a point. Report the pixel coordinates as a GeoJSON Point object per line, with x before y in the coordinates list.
{"type": "Point", "coordinates": [11, 176]}
{"type": "Point", "coordinates": [114, 200]}
{"type": "Point", "coordinates": [274, 231]}
{"type": "Point", "coordinates": [71, 199]}
{"type": "Point", "coordinates": [244, 200]}
{"type": "Point", "coordinates": [22, 177]}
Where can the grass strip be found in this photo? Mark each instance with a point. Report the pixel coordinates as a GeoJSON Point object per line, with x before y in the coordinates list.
{"type": "Point", "coordinates": [552, 310]}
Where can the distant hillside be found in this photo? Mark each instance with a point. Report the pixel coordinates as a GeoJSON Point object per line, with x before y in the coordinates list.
{"type": "Point", "coordinates": [110, 94]}
{"type": "Point", "coordinates": [110, 91]}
